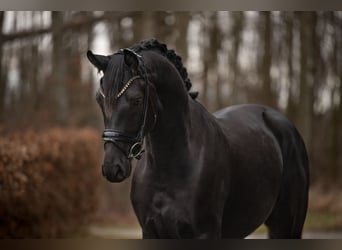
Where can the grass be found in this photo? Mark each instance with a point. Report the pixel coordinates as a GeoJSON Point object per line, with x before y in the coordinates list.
{"type": "Point", "coordinates": [115, 232]}
{"type": "Point", "coordinates": [323, 221]}
{"type": "Point", "coordinates": [315, 222]}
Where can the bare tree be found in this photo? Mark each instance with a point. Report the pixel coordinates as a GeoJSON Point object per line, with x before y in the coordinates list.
{"type": "Point", "coordinates": [336, 62]}
{"type": "Point", "coordinates": [238, 20]}
{"type": "Point", "coordinates": [289, 36]}
{"type": "Point", "coordinates": [212, 45]}
{"type": "Point", "coordinates": [2, 75]}
{"type": "Point", "coordinates": [182, 20]}
{"type": "Point", "coordinates": [267, 96]}
{"type": "Point", "coordinates": [308, 57]}
{"type": "Point", "coordinates": [59, 67]}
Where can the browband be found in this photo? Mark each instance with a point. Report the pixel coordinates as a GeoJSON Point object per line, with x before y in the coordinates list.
{"type": "Point", "coordinates": [126, 86]}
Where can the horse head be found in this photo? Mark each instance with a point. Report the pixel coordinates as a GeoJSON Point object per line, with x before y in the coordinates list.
{"type": "Point", "coordinates": [126, 99]}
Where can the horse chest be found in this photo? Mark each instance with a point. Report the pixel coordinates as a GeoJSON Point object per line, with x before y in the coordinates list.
{"type": "Point", "coordinates": [167, 216]}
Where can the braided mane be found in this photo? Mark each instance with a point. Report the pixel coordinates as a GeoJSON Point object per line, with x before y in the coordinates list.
{"type": "Point", "coordinates": [155, 45]}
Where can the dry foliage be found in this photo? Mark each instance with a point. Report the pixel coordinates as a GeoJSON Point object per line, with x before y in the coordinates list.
{"type": "Point", "coordinates": [48, 182]}
{"type": "Point", "coordinates": [325, 198]}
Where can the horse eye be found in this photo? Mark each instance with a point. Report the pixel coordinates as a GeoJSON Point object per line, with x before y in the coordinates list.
{"type": "Point", "coordinates": [137, 101]}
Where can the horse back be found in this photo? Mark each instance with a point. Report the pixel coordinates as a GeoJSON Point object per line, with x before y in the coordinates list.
{"type": "Point", "coordinates": [255, 126]}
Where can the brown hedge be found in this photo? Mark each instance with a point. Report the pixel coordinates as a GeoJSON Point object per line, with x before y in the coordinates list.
{"type": "Point", "coordinates": [48, 182]}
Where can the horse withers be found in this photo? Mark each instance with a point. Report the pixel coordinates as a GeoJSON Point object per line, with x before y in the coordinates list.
{"type": "Point", "coordinates": [201, 175]}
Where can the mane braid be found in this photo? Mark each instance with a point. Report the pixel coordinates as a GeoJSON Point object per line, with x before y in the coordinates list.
{"type": "Point", "coordinates": [155, 45]}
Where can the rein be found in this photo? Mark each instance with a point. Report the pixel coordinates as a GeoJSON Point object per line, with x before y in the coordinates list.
{"type": "Point", "coordinates": [136, 141]}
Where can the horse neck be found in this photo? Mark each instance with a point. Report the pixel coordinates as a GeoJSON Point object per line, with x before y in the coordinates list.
{"type": "Point", "coordinates": [167, 147]}
{"type": "Point", "coordinates": [170, 132]}
{"type": "Point", "coordinates": [168, 142]}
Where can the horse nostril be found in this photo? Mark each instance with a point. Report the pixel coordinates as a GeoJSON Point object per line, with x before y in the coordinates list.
{"type": "Point", "coordinates": [106, 169]}
{"type": "Point", "coordinates": [118, 168]}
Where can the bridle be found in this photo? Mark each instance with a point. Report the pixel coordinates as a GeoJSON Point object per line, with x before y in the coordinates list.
{"type": "Point", "coordinates": [136, 140]}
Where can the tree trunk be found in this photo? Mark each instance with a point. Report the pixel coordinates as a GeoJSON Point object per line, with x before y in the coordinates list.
{"type": "Point", "coordinates": [308, 61]}
{"type": "Point", "coordinates": [291, 105]}
{"type": "Point", "coordinates": [236, 34]}
{"type": "Point", "coordinates": [182, 23]}
{"type": "Point", "coordinates": [147, 26]}
{"type": "Point", "coordinates": [2, 75]}
{"type": "Point", "coordinates": [265, 70]}
{"type": "Point", "coordinates": [337, 109]}
{"type": "Point", "coordinates": [205, 83]}
{"type": "Point", "coordinates": [210, 61]}
{"type": "Point", "coordinates": [59, 69]}
{"type": "Point", "coordinates": [215, 46]}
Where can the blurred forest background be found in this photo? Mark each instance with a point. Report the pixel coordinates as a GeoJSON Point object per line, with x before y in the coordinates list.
{"type": "Point", "coordinates": [291, 61]}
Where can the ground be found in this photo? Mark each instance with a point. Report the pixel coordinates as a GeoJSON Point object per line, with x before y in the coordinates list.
{"type": "Point", "coordinates": [324, 219]}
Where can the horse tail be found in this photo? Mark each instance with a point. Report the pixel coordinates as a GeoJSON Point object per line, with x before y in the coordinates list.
{"type": "Point", "coordinates": [288, 139]}
{"type": "Point", "coordinates": [293, 196]}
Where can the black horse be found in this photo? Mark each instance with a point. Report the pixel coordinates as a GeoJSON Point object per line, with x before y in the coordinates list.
{"type": "Point", "coordinates": [203, 175]}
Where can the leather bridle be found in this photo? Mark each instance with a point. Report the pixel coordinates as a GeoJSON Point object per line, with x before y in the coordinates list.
{"type": "Point", "coordinates": [136, 140]}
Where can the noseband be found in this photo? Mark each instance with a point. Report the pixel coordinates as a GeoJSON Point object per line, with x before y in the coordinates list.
{"type": "Point", "coordinates": [136, 140]}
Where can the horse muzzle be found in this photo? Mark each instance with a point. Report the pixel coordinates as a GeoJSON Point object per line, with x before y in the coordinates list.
{"type": "Point", "coordinates": [116, 167]}
{"type": "Point", "coordinates": [116, 172]}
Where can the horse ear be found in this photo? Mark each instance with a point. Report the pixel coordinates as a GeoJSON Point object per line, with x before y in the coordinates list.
{"type": "Point", "coordinates": [99, 61]}
{"type": "Point", "coordinates": [131, 58]}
